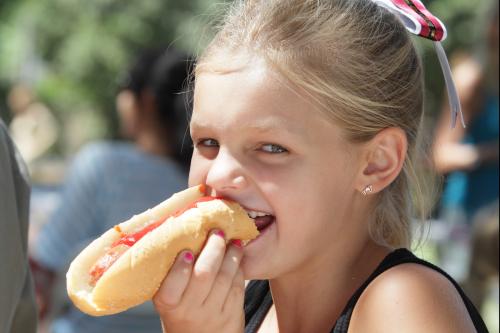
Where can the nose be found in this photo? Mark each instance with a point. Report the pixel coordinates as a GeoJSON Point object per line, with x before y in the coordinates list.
{"type": "Point", "coordinates": [226, 174]}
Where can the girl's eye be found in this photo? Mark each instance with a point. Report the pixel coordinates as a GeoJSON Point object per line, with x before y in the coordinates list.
{"type": "Point", "coordinates": [273, 149]}
{"type": "Point", "coordinates": [207, 143]}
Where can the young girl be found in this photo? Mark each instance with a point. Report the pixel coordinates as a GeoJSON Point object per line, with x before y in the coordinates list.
{"type": "Point", "coordinates": [307, 113]}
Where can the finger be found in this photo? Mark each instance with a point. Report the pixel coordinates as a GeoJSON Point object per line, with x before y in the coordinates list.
{"type": "Point", "coordinates": [205, 269]}
{"type": "Point", "coordinates": [236, 296]}
{"type": "Point", "coordinates": [171, 291]}
{"type": "Point", "coordinates": [224, 279]}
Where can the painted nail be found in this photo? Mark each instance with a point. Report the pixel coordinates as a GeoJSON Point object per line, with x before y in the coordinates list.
{"type": "Point", "coordinates": [203, 189]}
{"type": "Point", "coordinates": [237, 243]}
{"type": "Point", "coordinates": [188, 257]}
{"type": "Point", "coordinates": [220, 233]}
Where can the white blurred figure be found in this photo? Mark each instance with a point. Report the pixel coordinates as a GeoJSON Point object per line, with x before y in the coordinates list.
{"type": "Point", "coordinates": [33, 128]}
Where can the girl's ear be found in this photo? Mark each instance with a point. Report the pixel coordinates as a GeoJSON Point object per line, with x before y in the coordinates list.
{"type": "Point", "coordinates": [384, 158]}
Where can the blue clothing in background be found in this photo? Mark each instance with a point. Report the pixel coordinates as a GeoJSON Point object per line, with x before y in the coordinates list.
{"type": "Point", "coordinates": [472, 190]}
{"type": "Point", "coordinates": [106, 185]}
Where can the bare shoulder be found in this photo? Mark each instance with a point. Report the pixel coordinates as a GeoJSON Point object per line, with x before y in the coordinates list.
{"type": "Point", "coordinates": [411, 298]}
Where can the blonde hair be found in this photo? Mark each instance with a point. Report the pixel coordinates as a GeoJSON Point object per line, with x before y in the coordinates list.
{"type": "Point", "coordinates": [357, 62]}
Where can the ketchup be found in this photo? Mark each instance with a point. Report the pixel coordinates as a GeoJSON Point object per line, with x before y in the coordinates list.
{"type": "Point", "coordinates": [135, 237]}
{"type": "Point", "coordinates": [130, 240]}
{"type": "Point", "coordinates": [126, 241]}
{"type": "Point", "coordinates": [105, 262]}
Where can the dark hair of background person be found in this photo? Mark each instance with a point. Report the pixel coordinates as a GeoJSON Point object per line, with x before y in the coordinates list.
{"type": "Point", "coordinates": [164, 72]}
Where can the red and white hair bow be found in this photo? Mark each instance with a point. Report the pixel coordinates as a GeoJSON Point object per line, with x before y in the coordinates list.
{"type": "Point", "coordinates": [420, 21]}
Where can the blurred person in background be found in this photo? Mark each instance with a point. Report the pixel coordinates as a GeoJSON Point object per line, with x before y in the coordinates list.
{"type": "Point", "coordinates": [33, 128]}
{"type": "Point", "coordinates": [483, 266]}
{"type": "Point", "coordinates": [109, 182]}
{"type": "Point", "coordinates": [469, 160]}
{"type": "Point", "coordinates": [17, 304]}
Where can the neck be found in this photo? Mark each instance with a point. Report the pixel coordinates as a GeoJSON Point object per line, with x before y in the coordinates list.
{"type": "Point", "coordinates": [312, 300]}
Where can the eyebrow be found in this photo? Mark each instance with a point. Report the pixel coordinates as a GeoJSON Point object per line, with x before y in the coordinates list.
{"type": "Point", "coordinates": [264, 126]}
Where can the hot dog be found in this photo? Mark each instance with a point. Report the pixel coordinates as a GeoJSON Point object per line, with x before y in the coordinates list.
{"type": "Point", "coordinates": [125, 266]}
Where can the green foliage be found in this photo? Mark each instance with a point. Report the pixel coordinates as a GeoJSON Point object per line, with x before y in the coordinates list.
{"type": "Point", "coordinates": [72, 51]}
{"type": "Point", "coordinates": [465, 21]}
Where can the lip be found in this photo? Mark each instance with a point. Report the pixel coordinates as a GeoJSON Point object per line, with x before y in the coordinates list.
{"type": "Point", "coordinates": [254, 242]}
{"type": "Point", "coordinates": [256, 210]}
{"type": "Point", "coordinates": [234, 199]}
{"type": "Point", "coordinates": [247, 209]}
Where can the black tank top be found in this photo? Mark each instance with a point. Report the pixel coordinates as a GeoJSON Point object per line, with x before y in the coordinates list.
{"type": "Point", "coordinates": [258, 298]}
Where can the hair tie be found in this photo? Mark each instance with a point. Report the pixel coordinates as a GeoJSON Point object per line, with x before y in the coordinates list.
{"type": "Point", "coordinates": [419, 21]}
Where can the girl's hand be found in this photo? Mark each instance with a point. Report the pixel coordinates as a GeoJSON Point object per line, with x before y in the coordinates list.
{"type": "Point", "coordinates": [206, 295]}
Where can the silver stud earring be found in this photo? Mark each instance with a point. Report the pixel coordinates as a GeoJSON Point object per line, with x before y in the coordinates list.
{"type": "Point", "coordinates": [367, 190]}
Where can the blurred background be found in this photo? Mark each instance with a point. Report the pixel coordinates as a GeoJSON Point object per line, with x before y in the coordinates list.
{"type": "Point", "coordinates": [63, 64]}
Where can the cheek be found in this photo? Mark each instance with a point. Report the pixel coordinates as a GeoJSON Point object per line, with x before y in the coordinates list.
{"type": "Point", "coordinates": [319, 201]}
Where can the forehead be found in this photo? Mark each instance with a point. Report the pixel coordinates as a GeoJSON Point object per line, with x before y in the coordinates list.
{"type": "Point", "coordinates": [254, 97]}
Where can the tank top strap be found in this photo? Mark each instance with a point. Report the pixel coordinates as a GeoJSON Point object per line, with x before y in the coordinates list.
{"type": "Point", "coordinates": [258, 301]}
{"type": "Point", "coordinates": [397, 257]}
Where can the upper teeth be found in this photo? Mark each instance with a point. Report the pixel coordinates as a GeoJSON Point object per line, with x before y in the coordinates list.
{"type": "Point", "coordinates": [254, 214]}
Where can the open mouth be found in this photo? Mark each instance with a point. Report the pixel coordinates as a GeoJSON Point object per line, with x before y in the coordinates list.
{"type": "Point", "coordinates": [262, 220]}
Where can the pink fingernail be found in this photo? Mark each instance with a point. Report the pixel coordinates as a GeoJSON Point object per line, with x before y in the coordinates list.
{"type": "Point", "coordinates": [220, 233]}
{"type": "Point", "coordinates": [188, 257]}
{"type": "Point", "coordinates": [237, 243]}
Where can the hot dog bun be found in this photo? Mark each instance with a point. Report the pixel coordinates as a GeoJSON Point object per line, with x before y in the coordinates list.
{"type": "Point", "coordinates": [136, 276]}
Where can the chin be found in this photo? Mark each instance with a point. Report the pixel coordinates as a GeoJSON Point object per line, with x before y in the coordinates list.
{"type": "Point", "coordinates": [254, 269]}
{"type": "Point", "coordinates": [259, 269]}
